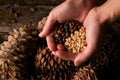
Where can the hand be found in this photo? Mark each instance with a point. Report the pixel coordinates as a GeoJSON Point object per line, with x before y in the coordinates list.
{"type": "Point", "coordinates": [93, 21]}
{"type": "Point", "coordinates": [95, 33]}
{"type": "Point", "coordinates": [96, 28]}
{"type": "Point", "coordinates": [70, 9]}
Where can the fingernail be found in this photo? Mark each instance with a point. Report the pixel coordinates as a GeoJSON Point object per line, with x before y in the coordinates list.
{"type": "Point", "coordinates": [41, 35]}
{"type": "Point", "coordinates": [54, 53]}
{"type": "Point", "coordinates": [77, 63]}
{"type": "Point", "coordinates": [57, 53]}
{"type": "Point", "coordinates": [60, 47]}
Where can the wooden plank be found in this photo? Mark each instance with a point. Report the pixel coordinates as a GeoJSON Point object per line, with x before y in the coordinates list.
{"type": "Point", "coordinates": [32, 2]}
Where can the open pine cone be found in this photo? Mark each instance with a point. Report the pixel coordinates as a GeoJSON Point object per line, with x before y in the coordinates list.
{"type": "Point", "coordinates": [25, 56]}
{"type": "Point", "coordinates": [91, 70]}
{"type": "Point", "coordinates": [17, 54]}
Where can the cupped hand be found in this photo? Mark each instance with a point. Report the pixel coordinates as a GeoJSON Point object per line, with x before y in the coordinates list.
{"type": "Point", "coordinates": [70, 9]}
{"type": "Point", "coordinates": [95, 34]}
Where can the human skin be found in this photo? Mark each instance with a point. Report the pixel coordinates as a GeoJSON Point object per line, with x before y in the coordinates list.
{"type": "Point", "coordinates": [69, 9]}
{"type": "Point", "coordinates": [93, 19]}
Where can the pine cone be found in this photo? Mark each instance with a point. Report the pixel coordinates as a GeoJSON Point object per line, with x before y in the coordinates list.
{"type": "Point", "coordinates": [25, 56]}
{"type": "Point", "coordinates": [17, 54]}
{"type": "Point", "coordinates": [51, 67]}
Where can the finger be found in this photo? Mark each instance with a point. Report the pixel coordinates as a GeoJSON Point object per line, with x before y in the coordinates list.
{"type": "Point", "coordinates": [51, 43]}
{"type": "Point", "coordinates": [48, 26]}
{"type": "Point", "coordinates": [60, 47]}
{"type": "Point", "coordinates": [80, 19]}
{"type": "Point", "coordinates": [83, 56]}
{"type": "Point", "coordinates": [54, 53]}
{"type": "Point", "coordinates": [65, 55]}
{"type": "Point", "coordinates": [42, 23]}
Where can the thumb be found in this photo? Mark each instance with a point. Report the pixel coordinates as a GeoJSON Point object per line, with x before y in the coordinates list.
{"type": "Point", "coordinates": [84, 56]}
{"type": "Point", "coordinates": [48, 26]}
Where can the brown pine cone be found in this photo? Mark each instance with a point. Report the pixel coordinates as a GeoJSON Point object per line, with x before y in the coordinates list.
{"type": "Point", "coordinates": [46, 66]}
{"type": "Point", "coordinates": [17, 54]}
{"type": "Point", "coordinates": [19, 61]}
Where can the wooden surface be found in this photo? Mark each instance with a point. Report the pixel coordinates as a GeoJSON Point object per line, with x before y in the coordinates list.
{"type": "Point", "coordinates": [14, 16]}
{"type": "Point", "coordinates": [31, 2]}
{"type": "Point", "coordinates": [14, 13]}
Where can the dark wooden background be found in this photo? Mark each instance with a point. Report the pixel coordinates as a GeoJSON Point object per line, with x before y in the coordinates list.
{"type": "Point", "coordinates": [14, 13]}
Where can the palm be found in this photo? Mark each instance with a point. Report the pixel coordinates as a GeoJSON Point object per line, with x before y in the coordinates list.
{"type": "Point", "coordinates": [94, 28]}
{"type": "Point", "coordinates": [69, 10]}
{"type": "Point", "coordinates": [94, 35]}
{"type": "Point", "coordinates": [66, 11]}
{"type": "Point", "coordinates": [61, 13]}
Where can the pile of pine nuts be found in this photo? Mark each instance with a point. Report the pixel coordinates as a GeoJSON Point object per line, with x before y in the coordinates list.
{"type": "Point", "coordinates": [77, 41]}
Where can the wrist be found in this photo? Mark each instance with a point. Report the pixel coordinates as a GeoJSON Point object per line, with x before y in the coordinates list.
{"type": "Point", "coordinates": [110, 11]}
